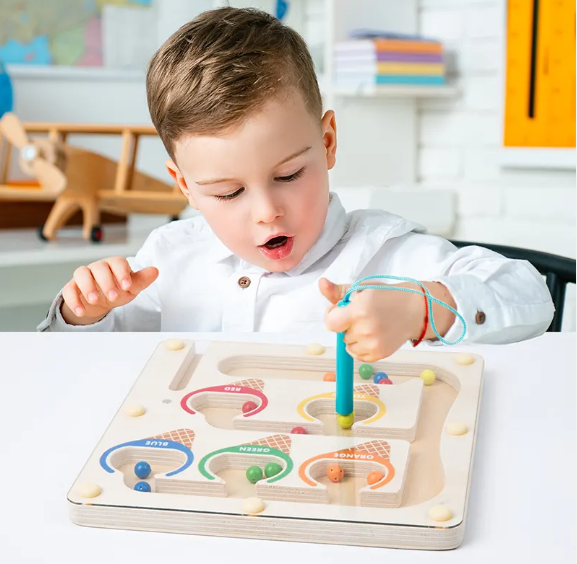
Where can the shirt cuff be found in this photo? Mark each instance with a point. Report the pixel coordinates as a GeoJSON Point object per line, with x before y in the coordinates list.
{"type": "Point", "coordinates": [54, 322]}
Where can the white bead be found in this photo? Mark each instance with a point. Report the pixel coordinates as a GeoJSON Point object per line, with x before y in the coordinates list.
{"type": "Point", "coordinates": [440, 513]}
{"type": "Point", "coordinates": [134, 410]}
{"type": "Point", "coordinates": [456, 428]}
{"type": "Point", "coordinates": [174, 345]}
{"type": "Point", "coordinates": [252, 505]}
{"type": "Point", "coordinates": [315, 349]}
{"type": "Point", "coordinates": [464, 359]}
{"type": "Point", "coordinates": [88, 489]}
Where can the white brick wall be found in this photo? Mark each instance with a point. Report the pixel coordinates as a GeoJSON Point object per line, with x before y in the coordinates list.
{"type": "Point", "coordinates": [460, 142]}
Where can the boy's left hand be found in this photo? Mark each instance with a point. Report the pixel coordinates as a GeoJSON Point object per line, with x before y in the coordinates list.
{"type": "Point", "coordinates": [378, 322]}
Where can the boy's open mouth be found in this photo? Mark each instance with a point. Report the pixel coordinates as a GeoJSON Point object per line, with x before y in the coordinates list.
{"type": "Point", "coordinates": [278, 247]}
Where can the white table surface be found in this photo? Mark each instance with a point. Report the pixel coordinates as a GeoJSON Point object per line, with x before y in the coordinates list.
{"type": "Point", "coordinates": [60, 391]}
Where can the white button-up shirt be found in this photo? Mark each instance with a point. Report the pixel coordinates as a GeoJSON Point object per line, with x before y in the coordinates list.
{"type": "Point", "coordinates": [199, 288]}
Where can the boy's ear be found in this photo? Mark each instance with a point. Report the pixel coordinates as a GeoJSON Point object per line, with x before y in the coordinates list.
{"type": "Point", "coordinates": [329, 126]}
{"type": "Point", "coordinates": [179, 179]}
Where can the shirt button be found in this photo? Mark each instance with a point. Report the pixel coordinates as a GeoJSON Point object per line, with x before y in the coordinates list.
{"type": "Point", "coordinates": [480, 318]}
{"type": "Point", "coordinates": [244, 281]}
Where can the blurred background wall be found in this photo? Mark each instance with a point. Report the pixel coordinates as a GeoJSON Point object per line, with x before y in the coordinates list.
{"type": "Point", "coordinates": [433, 152]}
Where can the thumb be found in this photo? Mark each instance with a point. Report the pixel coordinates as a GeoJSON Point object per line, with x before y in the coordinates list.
{"type": "Point", "coordinates": [143, 279]}
{"type": "Point", "coordinates": [333, 292]}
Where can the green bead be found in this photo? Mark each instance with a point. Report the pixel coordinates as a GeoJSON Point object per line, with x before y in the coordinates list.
{"type": "Point", "coordinates": [254, 474]}
{"type": "Point", "coordinates": [365, 371]}
{"type": "Point", "coordinates": [272, 469]}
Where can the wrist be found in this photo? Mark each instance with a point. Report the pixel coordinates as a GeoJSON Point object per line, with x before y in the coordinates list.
{"type": "Point", "coordinates": [417, 312]}
{"type": "Point", "coordinates": [443, 317]}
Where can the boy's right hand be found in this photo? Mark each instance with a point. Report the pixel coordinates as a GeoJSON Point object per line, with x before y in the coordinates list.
{"type": "Point", "coordinates": [100, 287]}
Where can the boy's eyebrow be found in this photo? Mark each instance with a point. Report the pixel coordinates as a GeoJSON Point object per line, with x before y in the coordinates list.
{"type": "Point", "coordinates": [289, 158]}
{"type": "Point", "coordinates": [294, 156]}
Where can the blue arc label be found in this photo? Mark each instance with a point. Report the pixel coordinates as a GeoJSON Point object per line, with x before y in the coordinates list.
{"type": "Point", "coordinates": [150, 443]}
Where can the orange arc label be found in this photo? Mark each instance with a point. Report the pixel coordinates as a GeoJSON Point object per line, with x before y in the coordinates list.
{"type": "Point", "coordinates": [349, 454]}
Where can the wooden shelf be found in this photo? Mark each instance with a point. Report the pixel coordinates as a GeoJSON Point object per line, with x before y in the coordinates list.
{"type": "Point", "coordinates": [375, 91]}
{"type": "Point", "coordinates": [538, 157]}
{"type": "Point", "coordinates": [61, 72]}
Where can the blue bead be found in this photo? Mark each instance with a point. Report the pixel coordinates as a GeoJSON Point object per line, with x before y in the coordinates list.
{"type": "Point", "coordinates": [379, 376]}
{"type": "Point", "coordinates": [143, 487]}
{"type": "Point", "coordinates": [142, 469]}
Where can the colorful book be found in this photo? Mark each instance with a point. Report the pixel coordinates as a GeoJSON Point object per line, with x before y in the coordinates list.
{"type": "Point", "coordinates": [390, 80]}
{"type": "Point", "coordinates": [362, 33]}
{"type": "Point", "coordinates": [389, 45]}
{"type": "Point", "coordinates": [391, 68]}
{"type": "Point", "coordinates": [384, 56]}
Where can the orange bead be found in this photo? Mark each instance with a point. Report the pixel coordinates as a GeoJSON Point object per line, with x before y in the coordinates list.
{"type": "Point", "coordinates": [330, 377]}
{"type": "Point", "coordinates": [374, 477]}
{"type": "Point", "coordinates": [335, 473]}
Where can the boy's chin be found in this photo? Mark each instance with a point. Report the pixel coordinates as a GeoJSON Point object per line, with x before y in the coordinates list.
{"type": "Point", "coordinates": [279, 265]}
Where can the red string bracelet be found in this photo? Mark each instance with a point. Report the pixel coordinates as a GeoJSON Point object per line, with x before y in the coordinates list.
{"type": "Point", "coordinates": [424, 331]}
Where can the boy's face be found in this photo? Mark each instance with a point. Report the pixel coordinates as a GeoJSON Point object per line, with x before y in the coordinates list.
{"type": "Point", "coordinates": [263, 186]}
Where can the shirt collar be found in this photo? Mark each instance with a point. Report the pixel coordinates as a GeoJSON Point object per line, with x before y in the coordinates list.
{"type": "Point", "coordinates": [333, 230]}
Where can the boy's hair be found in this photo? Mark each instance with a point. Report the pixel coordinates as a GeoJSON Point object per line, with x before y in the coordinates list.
{"type": "Point", "coordinates": [222, 66]}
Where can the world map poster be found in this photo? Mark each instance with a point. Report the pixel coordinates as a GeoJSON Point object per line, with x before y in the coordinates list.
{"type": "Point", "coordinates": [56, 32]}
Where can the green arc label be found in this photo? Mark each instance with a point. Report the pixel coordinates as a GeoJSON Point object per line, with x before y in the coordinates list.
{"type": "Point", "coordinates": [258, 450]}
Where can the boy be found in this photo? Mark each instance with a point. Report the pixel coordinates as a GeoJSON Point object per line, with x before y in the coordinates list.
{"type": "Point", "coordinates": [234, 97]}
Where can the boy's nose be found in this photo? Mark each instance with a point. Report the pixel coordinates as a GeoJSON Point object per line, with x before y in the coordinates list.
{"type": "Point", "coordinates": [267, 210]}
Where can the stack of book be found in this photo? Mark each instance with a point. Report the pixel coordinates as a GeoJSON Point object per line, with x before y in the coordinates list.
{"type": "Point", "coordinates": [370, 59]}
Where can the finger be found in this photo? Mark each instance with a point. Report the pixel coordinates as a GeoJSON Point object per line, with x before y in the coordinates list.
{"type": "Point", "coordinates": [86, 284]}
{"type": "Point", "coordinates": [355, 350]}
{"type": "Point", "coordinates": [333, 292]}
{"type": "Point", "coordinates": [105, 280]}
{"type": "Point", "coordinates": [71, 297]}
{"type": "Point", "coordinates": [339, 319]}
{"type": "Point", "coordinates": [350, 337]}
{"type": "Point", "coordinates": [121, 271]}
{"type": "Point", "coordinates": [143, 279]}
{"type": "Point", "coordinates": [358, 352]}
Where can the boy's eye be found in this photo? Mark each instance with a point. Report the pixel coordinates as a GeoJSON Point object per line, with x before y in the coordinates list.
{"type": "Point", "coordinates": [230, 196]}
{"type": "Point", "coordinates": [291, 177]}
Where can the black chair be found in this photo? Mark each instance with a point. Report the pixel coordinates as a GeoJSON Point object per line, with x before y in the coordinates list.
{"type": "Point", "coordinates": [558, 271]}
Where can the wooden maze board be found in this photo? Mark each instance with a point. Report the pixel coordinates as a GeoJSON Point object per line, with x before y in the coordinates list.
{"type": "Point", "coordinates": [183, 416]}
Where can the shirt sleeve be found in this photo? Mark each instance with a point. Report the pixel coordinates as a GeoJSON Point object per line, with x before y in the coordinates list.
{"type": "Point", "coordinates": [141, 315]}
{"type": "Point", "coordinates": [502, 300]}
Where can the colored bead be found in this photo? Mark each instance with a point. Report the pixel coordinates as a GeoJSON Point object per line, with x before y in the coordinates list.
{"type": "Point", "coordinates": [346, 421]}
{"type": "Point", "coordinates": [335, 473]}
{"type": "Point", "coordinates": [142, 469]}
{"type": "Point", "coordinates": [374, 477]}
{"type": "Point", "coordinates": [428, 377]}
{"type": "Point", "coordinates": [387, 381]}
{"type": "Point", "coordinates": [378, 377]}
{"type": "Point", "coordinates": [272, 469]}
{"type": "Point", "coordinates": [330, 377]}
{"type": "Point", "coordinates": [299, 431]}
{"type": "Point", "coordinates": [248, 406]}
{"type": "Point", "coordinates": [365, 371]}
{"type": "Point", "coordinates": [143, 487]}
{"type": "Point", "coordinates": [254, 474]}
